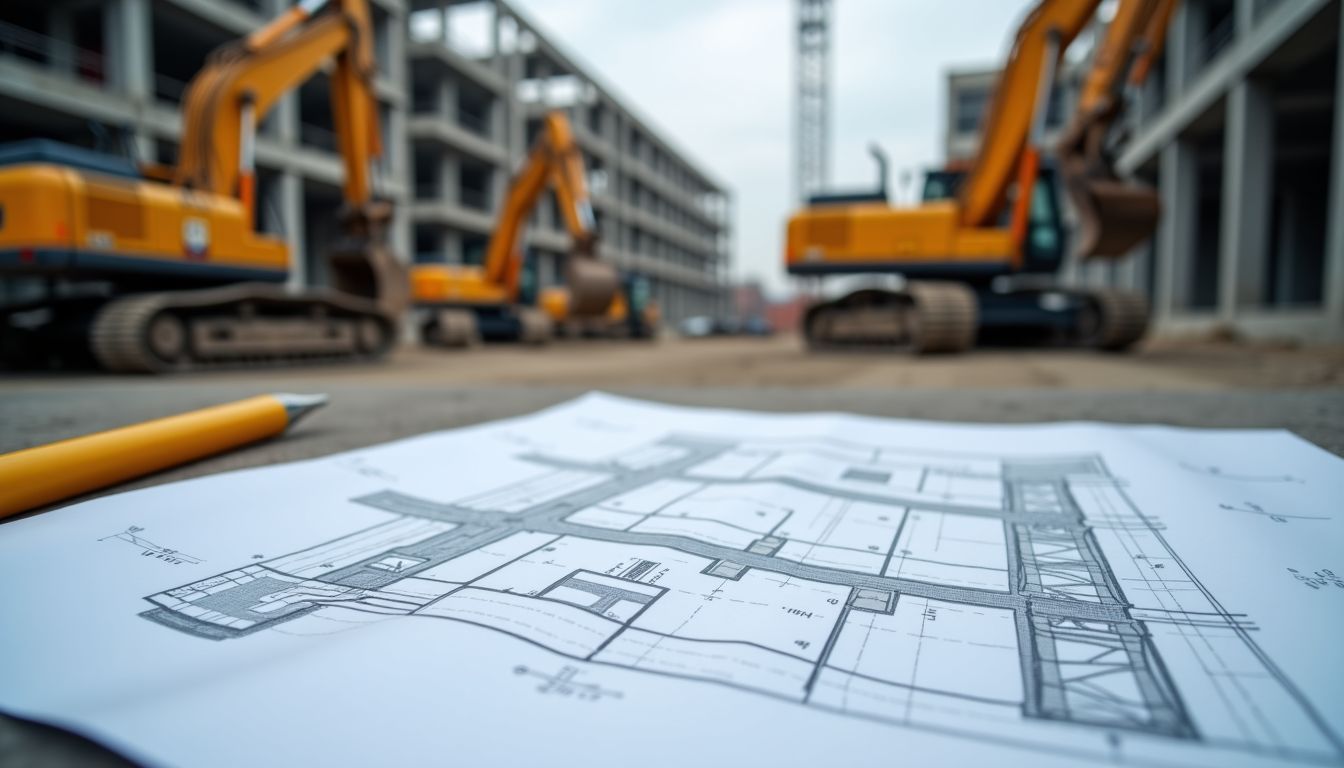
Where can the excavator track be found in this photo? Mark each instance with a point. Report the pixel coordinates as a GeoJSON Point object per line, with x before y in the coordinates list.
{"type": "Point", "coordinates": [1112, 320]}
{"type": "Point", "coordinates": [945, 317]}
{"type": "Point", "coordinates": [928, 317]}
{"type": "Point", "coordinates": [245, 325]}
{"type": "Point", "coordinates": [451, 329]}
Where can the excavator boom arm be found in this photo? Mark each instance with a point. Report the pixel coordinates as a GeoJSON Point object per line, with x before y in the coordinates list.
{"type": "Point", "coordinates": [1133, 40]}
{"type": "Point", "coordinates": [1113, 215]}
{"type": "Point", "coordinates": [1153, 38]}
{"type": "Point", "coordinates": [242, 81]}
{"type": "Point", "coordinates": [1008, 121]}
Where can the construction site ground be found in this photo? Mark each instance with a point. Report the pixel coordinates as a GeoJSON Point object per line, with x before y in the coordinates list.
{"type": "Point", "coordinates": [1208, 384]}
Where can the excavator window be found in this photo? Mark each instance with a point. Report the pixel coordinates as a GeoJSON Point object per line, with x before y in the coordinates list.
{"type": "Point", "coordinates": [639, 293]}
{"type": "Point", "coordinates": [529, 280]}
{"type": "Point", "coordinates": [1045, 228]}
{"type": "Point", "coordinates": [1044, 248]}
{"type": "Point", "coordinates": [942, 185]}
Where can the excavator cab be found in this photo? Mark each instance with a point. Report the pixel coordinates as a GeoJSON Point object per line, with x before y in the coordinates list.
{"type": "Point", "coordinates": [1043, 248]}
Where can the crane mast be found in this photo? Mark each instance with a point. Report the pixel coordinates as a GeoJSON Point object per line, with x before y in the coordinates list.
{"type": "Point", "coordinates": [812, 98]}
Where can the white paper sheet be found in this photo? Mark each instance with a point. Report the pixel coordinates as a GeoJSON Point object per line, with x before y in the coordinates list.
{"type": "Point", "coordinates": [611, 582]}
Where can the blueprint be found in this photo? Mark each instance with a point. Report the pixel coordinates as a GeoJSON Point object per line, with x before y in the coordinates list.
{"type": "Point", "coordinates": [612, 582]}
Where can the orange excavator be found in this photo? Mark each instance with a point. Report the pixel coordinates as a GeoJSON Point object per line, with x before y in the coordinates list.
{"type": "Point", "coordinates": [978, 256]}
{"type": "Point", "coordinates": [159, 268]}
{"type": "Point", "coordinates": [462, 304]}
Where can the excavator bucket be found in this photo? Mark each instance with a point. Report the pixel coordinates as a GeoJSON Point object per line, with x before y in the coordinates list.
{"type": "Point", "coordinates": [1113, 216]}
{"type": "Point", "coordinates": [592, 285]}
{"type": "Point", "coordinates": [362, 263]}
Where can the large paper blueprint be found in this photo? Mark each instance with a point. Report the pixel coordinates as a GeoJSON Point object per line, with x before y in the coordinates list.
{"type": "Point", "coordinates": [611, 582]}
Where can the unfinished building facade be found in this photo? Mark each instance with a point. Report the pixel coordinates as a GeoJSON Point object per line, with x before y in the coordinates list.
{"type": "Point", "coordinates": [481, 77]}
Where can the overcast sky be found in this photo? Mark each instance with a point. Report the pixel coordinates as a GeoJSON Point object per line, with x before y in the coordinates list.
{"type": "Point", "coordinates": [715, 77]}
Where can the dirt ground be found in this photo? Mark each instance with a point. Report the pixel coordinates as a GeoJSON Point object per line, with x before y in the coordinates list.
{"type": "Point", "coordinates": [783, 362]}
{"type": "Point", "coordinates": [1201, 384]}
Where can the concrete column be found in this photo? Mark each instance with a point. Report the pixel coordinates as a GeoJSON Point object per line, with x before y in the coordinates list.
{"type": "Point", "coordinates": [400, 236]}
{"type": "Point", "coordinates": [284, 119]}
{"type": "Point", "coordinates": [397, 141]}
{"type": "Point", "coordinates": [499, 185]}
{"type": "Point", "coordinates": [1183, 41]}
{"type": "Point", "coordinates": [1175, 241]}
{"type": "Point", "coordinates": [496, 39]}
{"type": "Point", "coordinates": [128, 45]}
{"type": "Point", "coordinates": [289, 203]}
{"type": "Point", "coordinates": [548, 270]}
{"type": "Point", "coordinates": [1244, 17]}
{"type": "Point", "coordinates": [617, 182]}
{"type": "Point", "coordinates": [1247, 198]}
{"type": "Point", "coordinates": [1334, 237]}
{"type": "Point", "coordinates": [514, 118]}
{"type": "Point", "coordinates": [446, 102]}
{"type": "Point", "coordinates": [515, 123]}
{"type": "Point", "coordinates": [452, 246]}
{"type": "Point", "coordinates": [284, 116]}
{"type": "Point", "coordinates": [449, 178]}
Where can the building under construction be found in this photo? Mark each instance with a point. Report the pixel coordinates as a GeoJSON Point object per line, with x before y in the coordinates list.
{"type": "Point", "coordinates": [1241, 129]}
{"type": "Point", "coordinates": [461, 90]}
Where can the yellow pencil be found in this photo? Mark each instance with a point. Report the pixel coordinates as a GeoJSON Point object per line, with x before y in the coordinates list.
{"type": "Point", "coordinates": [35, 477]}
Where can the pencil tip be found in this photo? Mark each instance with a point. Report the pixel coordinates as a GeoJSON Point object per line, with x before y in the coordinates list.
{"type": "Point", "coordinates": [298, 406]}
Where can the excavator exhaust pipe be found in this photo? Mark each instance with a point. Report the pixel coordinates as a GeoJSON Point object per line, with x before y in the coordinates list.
{"type": "Point", "coordinates": [592, 285]}
{"type": "Point", "coordinates": [1113, 216]}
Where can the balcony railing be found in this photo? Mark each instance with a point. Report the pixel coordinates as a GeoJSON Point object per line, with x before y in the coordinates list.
{"type": "Point", "coordinates": [424, 104]}
{"type": "Point", "coordinates": [477, 199]}
{"type": "Point", "coordinates": [475, 122]}
{"type": "Point", "coordinates": [169, 89]}
{"type": "Point", "coordinates": [62, 58]}
{"type": "Point", "coordinates": [21, 42]}
{"type": "Point", "coordinates": [317, 136]}
{"type": "Point", "coordinates": [1218, 39]}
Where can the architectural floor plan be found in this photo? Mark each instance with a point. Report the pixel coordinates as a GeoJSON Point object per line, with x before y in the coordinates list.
{"type": "Point", "coordinates": [978, 593]}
